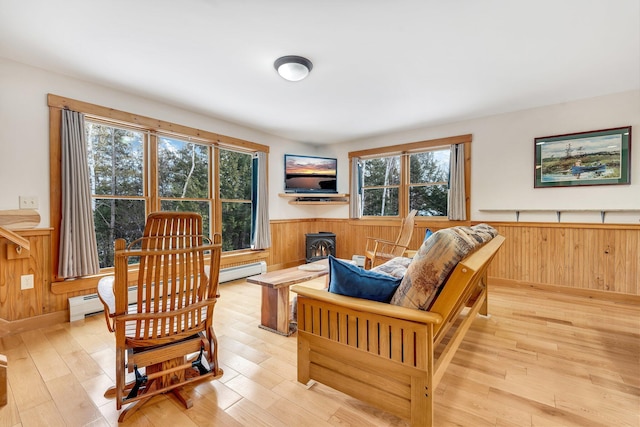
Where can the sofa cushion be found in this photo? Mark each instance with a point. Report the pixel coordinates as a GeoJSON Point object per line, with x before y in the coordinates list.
{"type": "Point", "coordinates": [395, 267]}
{"type": "Point", "coordinates": [351, 280]}
{"type": "Point", "coordinates": [435, 260]}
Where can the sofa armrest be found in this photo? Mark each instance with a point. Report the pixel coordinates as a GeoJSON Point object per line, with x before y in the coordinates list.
{"type": "Point", "coordinates": [374, 307]}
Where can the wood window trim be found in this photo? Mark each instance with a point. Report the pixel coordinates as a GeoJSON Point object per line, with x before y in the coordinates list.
{"type": "Point", "coordinates": [409, 148]}
{"type": "Point", "coordinates": [56, 104]}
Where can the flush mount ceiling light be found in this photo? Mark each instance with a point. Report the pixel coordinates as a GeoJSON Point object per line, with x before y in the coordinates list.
{"type": "Point", "coordinates": [293, 68]}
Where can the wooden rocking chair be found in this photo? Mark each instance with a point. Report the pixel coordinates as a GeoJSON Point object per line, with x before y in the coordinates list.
{"type": "Point", "coordinates": [379, 251]}
{"type": "Point", "coordinates": [168, 328]}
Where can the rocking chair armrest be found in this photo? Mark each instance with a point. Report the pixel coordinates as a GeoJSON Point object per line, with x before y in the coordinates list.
{"type": "Point", "coordinates": [383, 247]}
{"type": "Point", "coordinates": [207, 302]}
{"type": "Point", "coordinates": [377, 240]}
{"type": "Point", "coordinates": [373, 242]}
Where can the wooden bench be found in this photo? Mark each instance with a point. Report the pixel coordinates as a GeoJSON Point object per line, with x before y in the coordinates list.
{"type": "Point", "coordinates": [386, 355]}
{"type": "Point", "coordinates": [275, 307]}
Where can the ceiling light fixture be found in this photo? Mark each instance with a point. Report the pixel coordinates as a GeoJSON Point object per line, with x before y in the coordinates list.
{"type": "Point", "coordinates": [293, 68]}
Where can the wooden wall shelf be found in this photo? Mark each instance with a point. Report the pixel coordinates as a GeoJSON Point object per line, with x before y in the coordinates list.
{"type": "Point", "coordinates": [603, 212]}
{"type": "Point", "coordinates": [316, 198]}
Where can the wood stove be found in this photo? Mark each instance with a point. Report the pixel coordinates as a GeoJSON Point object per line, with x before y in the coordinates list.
{"type": "Point", "coordinates": [320, 245]}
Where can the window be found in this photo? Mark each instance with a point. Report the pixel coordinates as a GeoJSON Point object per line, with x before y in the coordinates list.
{"type": "Point", "coordinates": [183, 178]}
{"type": "Point", "coordinates": [138, 165]}
{"type": "Point", "coordinates": [381, 186]}
{"type": "Point", "coordinates": [394, 180]}
{"type": "Point", "coordinates": [116, 169]}
{"type": "Point", "coordinates": [429, 182]}
{"type": "Point", "coordinates": [236, 189]}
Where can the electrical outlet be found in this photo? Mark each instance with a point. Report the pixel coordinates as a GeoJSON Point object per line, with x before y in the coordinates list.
{"type": "Point", "coordinates": [30, 202]}
{"type": "Point", "coordinates": [26, 281]}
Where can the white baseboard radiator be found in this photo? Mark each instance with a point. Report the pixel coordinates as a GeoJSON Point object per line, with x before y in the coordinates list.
{"type": "Point", "coordinates": [241, 271]}
{"type": "Point", "coordinates": [84, 305]}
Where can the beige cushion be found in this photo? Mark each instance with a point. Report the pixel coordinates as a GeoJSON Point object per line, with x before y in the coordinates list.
{"type": "Point", "coordinates": [396, 267]}
{"type": "Point", "coordinates": [435, 260]}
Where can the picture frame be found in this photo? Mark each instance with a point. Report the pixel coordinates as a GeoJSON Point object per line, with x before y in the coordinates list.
{"type": "Point", "coordinates": [599, 157]}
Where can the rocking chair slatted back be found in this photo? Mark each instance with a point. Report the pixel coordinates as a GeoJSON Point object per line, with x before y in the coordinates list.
{"type": "Point", "coordinates": [378, 251]}
{"type": "Point", "coordinates": [177, 288]}
{"type": "Point", "coordinates": [173, 291]}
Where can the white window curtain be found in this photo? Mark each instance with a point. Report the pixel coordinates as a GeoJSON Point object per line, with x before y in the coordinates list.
{"type": "Point", "coordinates": [355, 202]}
{"type": "Point", "coordinates": [78, 248]}
{"type": "Point", "coordinates": [457, 195]}
{"type": "Point", "coordinates": [262, 233]}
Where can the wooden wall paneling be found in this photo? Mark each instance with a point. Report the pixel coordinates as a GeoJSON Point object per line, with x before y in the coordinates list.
{"type": "Point", "coordinates": [629, 267]}
{"type": "Point", "coordinates": [288, 237]}
{"type": "Point", "coordinates": [595, 279]}
{"type": "Point", "coordinates": [576, 242]}
{"type": "Point", "coordinates": [598, 257]}
{"type": "Point", "coordinates": [584, 257]}
{"type": "Point", "coordinates": [579, 256]}
{"type": "Point", "coordinates": [16, 304]}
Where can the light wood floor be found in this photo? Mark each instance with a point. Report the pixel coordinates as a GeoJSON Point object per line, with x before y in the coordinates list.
{"type": "Point", "coordinates": [541, 359]}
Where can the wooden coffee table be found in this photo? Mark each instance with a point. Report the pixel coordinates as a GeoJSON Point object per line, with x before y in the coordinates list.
{"type": "Point", "coordinates": [275, 309]}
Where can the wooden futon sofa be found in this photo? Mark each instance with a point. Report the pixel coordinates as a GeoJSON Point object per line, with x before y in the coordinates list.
{"type": "Point", "coordinates": [390, 356]}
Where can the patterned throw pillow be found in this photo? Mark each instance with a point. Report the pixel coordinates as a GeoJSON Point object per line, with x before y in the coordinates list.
{"type": "Point", "coordinates": [435, 260]}
{"type": "Point", "coordinates": [348, 279]}
{"type": "Point", "coordinates": [395, 267]}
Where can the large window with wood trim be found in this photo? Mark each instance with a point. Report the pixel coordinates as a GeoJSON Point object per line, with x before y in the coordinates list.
{"type": "Point", "coordinates": [138, 165]}
{"type": "Point", "coordinates": [181, 173]}
{"type": "Point", "coordinates": [116, 159]}
{"type": "Point", "coordinates": [394, 180]}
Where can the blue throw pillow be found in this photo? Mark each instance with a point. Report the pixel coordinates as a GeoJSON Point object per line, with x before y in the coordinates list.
{"type": "Point", "coordinates": [351, 280]}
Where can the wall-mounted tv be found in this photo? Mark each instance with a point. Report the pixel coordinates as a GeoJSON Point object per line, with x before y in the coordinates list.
{"type": "Point", "coordinates": [310, 174]}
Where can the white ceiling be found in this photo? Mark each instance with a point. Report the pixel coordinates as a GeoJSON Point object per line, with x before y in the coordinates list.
{"type": "Point", "coordinates": [379, 65]}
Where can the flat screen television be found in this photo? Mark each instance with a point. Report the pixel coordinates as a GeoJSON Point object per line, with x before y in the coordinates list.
{"type": "Point", "coordinates": [310, 174]}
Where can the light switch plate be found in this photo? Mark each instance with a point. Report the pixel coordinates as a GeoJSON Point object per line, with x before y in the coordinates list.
{"type": "Point", "coordinates": [26, 281]}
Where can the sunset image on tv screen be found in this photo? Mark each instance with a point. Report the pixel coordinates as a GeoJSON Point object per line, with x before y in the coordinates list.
{"type": "Point", "coordinates": [310, 173]}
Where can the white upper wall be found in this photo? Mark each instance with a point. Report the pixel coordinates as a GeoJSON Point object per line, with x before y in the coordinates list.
{"type": "Point", "coordinates": [24, 133]}
{"type": "Point", "coordinates": [502, 148]}
{"type": "Point", "coordinates": [502, 159]}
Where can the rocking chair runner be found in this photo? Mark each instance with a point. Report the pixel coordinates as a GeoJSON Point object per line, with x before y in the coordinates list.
{"type": "Point", "coordinates": [379, 251]}
{"type": "Point", "coordinates": [168, 331]}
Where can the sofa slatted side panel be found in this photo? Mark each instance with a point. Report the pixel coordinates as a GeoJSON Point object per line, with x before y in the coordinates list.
{"type": "Point", "coordinates": [395, 339]}
{"type": "Point", "coordinates": [380, 360]}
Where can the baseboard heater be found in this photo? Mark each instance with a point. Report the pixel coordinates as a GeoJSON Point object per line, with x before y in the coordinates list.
{"type": "Point", "coordinates": [241, 271]}
{"type": "Point", "coordinates": [84, 305]}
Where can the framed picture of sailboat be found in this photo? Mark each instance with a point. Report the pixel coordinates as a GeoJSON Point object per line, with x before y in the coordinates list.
{"type": "Point", "coordinates": [598, 157]}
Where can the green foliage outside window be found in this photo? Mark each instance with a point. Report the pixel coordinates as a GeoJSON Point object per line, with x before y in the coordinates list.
{"type": "Point", "coordinates": [183, 178]}
{"type": "Point", "coordinates": [427, 187]}
{"type": "Point", "coordinates": [118, 176]}
{"type": "Point", "coordinates": [381, 181]}
{"type": "Point", "coordinates": [429, 182]}
{"type": "Point", "coordinates": [183, 169]}
{"type": "Point", "coordinates": [235, 193]}
{"type": "Point", "coordinates": [116, 165]}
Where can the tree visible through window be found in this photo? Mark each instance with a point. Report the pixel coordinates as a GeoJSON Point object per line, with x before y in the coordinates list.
{"type": "Point", "coordinates": [121, 175]}
{"type": "Point", "coordinates": [429, 182]}
{"type": "Point", "coordinates": [116, 168]}
{"type": "Point", "coordinates": [419, 180]}
{"type": "Point", "coordinates": [381, 184]}
{"type": "Point", "coordinates": [235, 194]}
{"type": "Point", "coordinates": [183, 178]}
